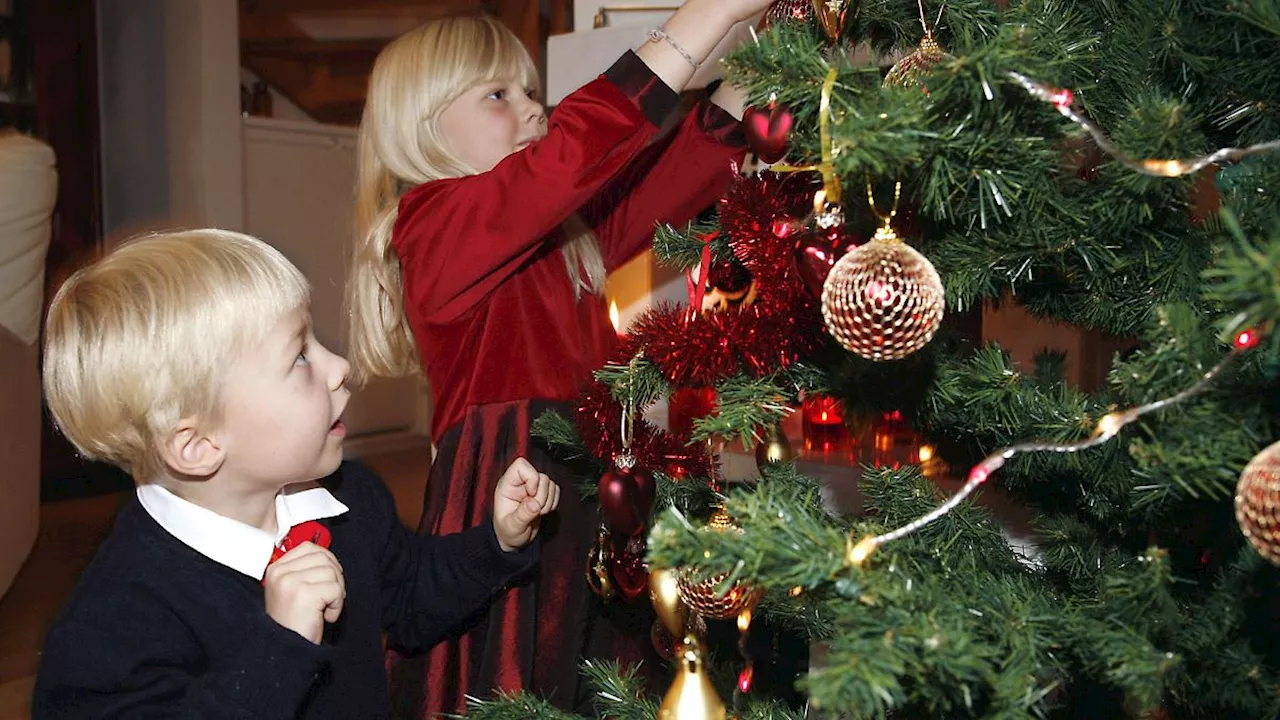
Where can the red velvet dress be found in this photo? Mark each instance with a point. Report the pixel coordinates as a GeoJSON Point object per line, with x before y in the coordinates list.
{"type": "Point", "coordinates": [503, 339]}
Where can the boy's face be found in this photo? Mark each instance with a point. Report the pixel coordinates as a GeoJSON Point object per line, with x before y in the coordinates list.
{"type": "Point", "coordinates": [283, 403]}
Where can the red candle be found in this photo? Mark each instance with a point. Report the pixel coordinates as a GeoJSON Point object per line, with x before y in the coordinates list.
{"type": "Point", "coordinates": [823, 411]}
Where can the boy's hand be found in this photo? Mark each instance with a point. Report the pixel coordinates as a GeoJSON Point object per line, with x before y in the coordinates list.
{"type": "Point", "coordinates": [304, 590]}
{"type": "Point", "coordinates": [523, 496]}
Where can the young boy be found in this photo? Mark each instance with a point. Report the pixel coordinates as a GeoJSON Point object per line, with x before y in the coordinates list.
{"type": "Point", "coordinates": [188, 359]}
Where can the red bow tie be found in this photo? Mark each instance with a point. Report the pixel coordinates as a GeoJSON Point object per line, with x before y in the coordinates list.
{"type": "Point", "coordinates": [309, 531]}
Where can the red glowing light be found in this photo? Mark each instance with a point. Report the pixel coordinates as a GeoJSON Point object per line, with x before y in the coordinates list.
{"type": "Point", "coordinates": [744, 679]}
{"type": "Point", "coordinates": [1247, 339]}
{"type": "Point", "coordinates": [1062, 99]}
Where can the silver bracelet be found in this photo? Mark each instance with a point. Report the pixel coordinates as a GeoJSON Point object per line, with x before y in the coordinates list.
{"type": "Point", "coordinates": [658, 35]}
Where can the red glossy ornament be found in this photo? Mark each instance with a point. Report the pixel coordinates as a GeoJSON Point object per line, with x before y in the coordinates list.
{"type": "Point", "coordinates": [663, 643]}
{"type": "Point", "coordinates": [688, 404]}
{"type": "Point", "coordinates": [784, 227]}
{"type": "Point", "coordinates": [816, 252]}
{"type": "Point", "coordinates": [768, 131]}
{"type": "Point", "coordinates": [630, 574]}
{"type": "Point", "coordinates": [729, 277]}
{"type": "Point", "coordinates": [626, 497]}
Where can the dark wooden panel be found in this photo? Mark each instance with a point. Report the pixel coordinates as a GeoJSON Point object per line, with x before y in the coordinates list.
{"type": "Point", "coordinates": [65, 95]}
{"type": "Point", "coordinates": [65, 74]}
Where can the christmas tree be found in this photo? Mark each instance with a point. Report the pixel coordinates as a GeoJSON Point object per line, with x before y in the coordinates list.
{"type": "Point", "coordinates": [1102, 163]}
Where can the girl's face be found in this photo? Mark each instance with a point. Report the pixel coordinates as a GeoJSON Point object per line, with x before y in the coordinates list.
{"type": "Point", "coordinates": [493, 120]}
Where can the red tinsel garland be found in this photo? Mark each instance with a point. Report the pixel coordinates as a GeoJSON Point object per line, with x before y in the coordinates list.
{"type": "Point", "coordinates": [691, 349]}
{"type": "Point", "coordinates": [599, 425]}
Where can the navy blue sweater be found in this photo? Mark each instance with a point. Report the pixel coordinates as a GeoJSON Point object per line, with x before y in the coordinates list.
{"type": "Point", "coordinates": [155, 629]}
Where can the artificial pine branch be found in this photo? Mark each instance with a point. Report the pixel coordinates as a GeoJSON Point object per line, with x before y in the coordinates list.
{"type": "Point", "coordinates": [744, 406]}
{"type": "Point", "coordinates": [559, 433]}
{"type": "Point", "coordinates": [639, 382]}
{"type": "Point", "coordinates": [682, 248]}
{"type": "Point", "coordinates": [514, 706]}
{"type": "Point", "coordinates": [619, 692]}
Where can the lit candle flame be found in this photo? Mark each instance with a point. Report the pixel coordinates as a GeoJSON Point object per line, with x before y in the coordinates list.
{"type": "Point", "coordinates": [613, 314]}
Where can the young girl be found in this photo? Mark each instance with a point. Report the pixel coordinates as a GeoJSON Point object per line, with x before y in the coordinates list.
{"type": "Point", "coordinates": [484, 236]}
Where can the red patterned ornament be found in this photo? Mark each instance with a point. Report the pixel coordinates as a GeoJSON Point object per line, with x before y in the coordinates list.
{"type": "Point", "coordinates": [768, 131]}
{"type": "Point", "coordinates": [1258, 503]}
{"type": "Point", "coordinates": [797, 10]}
{"type": "Point", "coordinates": [704, 597]}
{"type": "Point", "coordinates": [883, 300]}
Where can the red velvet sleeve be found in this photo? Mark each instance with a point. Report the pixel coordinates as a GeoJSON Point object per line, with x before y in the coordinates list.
{"type": "Point", "coordinates": [674, 180]}
{"type": "Point", "coordinates": [462, 237]}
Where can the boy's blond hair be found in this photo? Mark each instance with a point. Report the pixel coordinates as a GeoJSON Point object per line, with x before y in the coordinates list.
{"type": "Point", "coordinates": [141, 339]}
{"type": "Point", "coordinates": [416, 77]}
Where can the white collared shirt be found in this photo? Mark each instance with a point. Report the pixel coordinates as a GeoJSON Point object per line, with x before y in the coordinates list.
{"type": "Point", "coordinates": [241, 547]}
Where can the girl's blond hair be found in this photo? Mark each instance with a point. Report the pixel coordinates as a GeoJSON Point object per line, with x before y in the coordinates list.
{"type": "Point", "coordinates": [400, 146]}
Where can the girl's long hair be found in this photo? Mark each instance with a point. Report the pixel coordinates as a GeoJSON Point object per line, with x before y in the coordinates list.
{"type": "Point", "coordinates": [400, 146]}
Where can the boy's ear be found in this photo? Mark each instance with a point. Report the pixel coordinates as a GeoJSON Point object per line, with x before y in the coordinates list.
{"type": "Point", "coordinates": [190, 450]}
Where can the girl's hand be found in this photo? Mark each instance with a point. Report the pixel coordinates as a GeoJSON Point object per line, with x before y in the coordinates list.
{"type": "Point", "coordinates": [691, 34]}
{"type": "Point", "coordinates": [741, 10]}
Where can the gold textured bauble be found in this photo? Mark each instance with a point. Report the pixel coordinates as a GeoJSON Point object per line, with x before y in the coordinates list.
{"type": "Point", "coordinates": [702, 598]}
{"type": "Point", "coordinates": [1258, 503]}
{"type": "Point", "coordinates": [915, 64]}
{"type": "Point", "coordinates": [691, 695]}
{"type": "Point", "coordinates": [883, 300]}
{"type": "Point", "coordinates": [774, 447]}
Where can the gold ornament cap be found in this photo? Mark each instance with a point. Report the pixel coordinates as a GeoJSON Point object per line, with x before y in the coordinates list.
{"type": "Point", "coordinates": [691, 695]}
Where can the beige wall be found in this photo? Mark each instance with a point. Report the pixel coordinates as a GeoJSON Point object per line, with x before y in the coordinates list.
{"type": "Point", "coordinates": [1023, 336]}
{"type": "Point", "coordinates": [170, 104]}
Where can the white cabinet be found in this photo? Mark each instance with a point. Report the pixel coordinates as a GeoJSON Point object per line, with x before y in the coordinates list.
{"type": "Point", "coordinates": [299, 181]}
